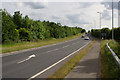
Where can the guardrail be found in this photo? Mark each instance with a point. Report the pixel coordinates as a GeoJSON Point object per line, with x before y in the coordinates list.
{"type": "Point", "coordinates": [114, 55]}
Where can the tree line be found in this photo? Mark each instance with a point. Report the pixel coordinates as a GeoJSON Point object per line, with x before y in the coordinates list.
{"type": "Point", "coordinates": [17, 28]}
{"type": "Point", "coordinates": [106, 33]}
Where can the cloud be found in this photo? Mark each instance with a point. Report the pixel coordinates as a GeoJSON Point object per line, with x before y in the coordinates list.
{"type": "Point", "coordinates": [119, 6]}
{"type": "Point", "coordinates": [106, 15]}
{"type": "Point", "coordinates": [108, 5]}
{"type": "Point", "coordinates": [86, 4]}
{"type": "Point", "coordinates": [67, 13]}
{"type": "Point", "coordinates": [35, 5]}
{"type": "Point", "coordinates": [55, 17]}
{"type": "Point", "coordinates": [76, 18]}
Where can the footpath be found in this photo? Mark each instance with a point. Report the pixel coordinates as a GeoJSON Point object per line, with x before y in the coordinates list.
{"type": "Point", "coordinates": [89, 65]}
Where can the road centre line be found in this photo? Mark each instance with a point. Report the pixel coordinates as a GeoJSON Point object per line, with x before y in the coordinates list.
{"type": "Point", "coordinates": [75, 43]}
{"type": "Point", "coordinates": [17, 52]}
{"type": "Point", "coordinates": [47, 52]}
{"type": "Point", "coordinates": [57, 62]}
{"type": "Point", "coordinates": [52, 50]}
{"type": "Point", "coordinates": [65, 46]}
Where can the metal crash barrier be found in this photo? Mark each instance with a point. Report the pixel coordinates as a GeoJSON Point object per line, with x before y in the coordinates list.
{"type": "Point", "coordinates": [114, 55]}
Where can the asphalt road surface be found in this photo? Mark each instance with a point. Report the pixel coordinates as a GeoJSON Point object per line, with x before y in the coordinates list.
{"type": "Point", "coordinates": [33, 63]}
{"type": "Point", "coordinates": [89, 65]}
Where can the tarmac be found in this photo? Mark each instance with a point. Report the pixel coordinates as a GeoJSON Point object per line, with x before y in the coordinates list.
{"type": "Point", "coordinates": [89, 65]}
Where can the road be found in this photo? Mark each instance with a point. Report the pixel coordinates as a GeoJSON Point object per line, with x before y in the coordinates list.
{"type": "Point", "coordinates": [33, 63]}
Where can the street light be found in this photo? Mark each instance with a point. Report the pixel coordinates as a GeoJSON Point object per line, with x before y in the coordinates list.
{"type": "Point", "coordinates": [112, 22]}
{"type": "Point", "coordinates": [100, 23]}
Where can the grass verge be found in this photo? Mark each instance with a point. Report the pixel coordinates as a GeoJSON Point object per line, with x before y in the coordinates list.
{"type": "Point", "coordinates": [68, 66]}
{"type": "Point", "coordinates": [109, 69]}
{"type": "Point", "coordinates": [115, 46]}
{"type": "Point", "coordinates": [26, 45]}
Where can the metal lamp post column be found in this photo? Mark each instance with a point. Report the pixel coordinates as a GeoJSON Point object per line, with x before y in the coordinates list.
{"type": "Point", "coordinates": [112, 22]}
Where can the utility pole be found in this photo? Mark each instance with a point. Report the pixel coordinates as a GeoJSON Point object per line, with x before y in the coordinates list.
{"type": "Point", "coordinates": [112, 21]}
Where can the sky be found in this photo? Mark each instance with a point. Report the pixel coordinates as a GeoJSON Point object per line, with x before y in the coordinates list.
{"type": "Point", "coordinates": [70, 13]}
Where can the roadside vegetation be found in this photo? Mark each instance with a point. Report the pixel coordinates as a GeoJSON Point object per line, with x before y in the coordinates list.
{"type": "Point", "coordinates": [68, 66]}
{"type": "Point", "coordinates": [19, 29]}
{"type": "Point", "coordinates": [115, 46]}
{"type": "Point", "coordinates": [109, 68]}
{"type": "Point", "coordinates": [20, 32]}
{"type": "Point", "coordinates": [26, 45]}
{"type": "Point", "coordinates": [106, 33]}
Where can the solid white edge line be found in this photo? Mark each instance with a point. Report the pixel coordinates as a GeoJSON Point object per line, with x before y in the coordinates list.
{"type": "Point", "coordinates": [57, 62]}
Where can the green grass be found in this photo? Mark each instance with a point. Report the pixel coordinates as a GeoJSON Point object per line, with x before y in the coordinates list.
{"type": "Point", "coordinates": [26, 45]}
{"type": "Point", "coordinates": [115, 46]}
{"type": "Point", "coordinates": [68, 66]}
{"type": "Point", "coordinates": [109, 68]}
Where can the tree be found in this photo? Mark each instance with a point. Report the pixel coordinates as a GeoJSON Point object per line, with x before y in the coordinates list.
{"type": "Point", "coordinates": [96, 33]}
{"type": "Point", "coordinates": [117, 33]}
{"type": "Point", "coordinates": [83, 30]}
{"type": "Point", "coordinates": [17, 18]}
{"type": "Point", "coordinates": [9, 32]}
{"type": "Point", "coordinates": [106, 31]}
{"type": "Point", "coordinates": [21, 28]}
{"type": "Point", "coordinates": [26, 22]}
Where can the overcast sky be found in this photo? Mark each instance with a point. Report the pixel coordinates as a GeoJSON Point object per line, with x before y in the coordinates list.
{"type": "Point", "coordinates": [81, 14]}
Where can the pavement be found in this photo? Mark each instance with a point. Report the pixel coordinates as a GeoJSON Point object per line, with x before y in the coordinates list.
{"type": "Point", "coordinates": [89, 65]}
{"type": "Point", "coordinates": [40, 62]}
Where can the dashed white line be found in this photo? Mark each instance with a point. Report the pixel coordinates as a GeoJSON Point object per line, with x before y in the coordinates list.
{"type": "Point", "coordinates": [31, 56]}
{"type": "Point", "coordinates": [75, 43]}
{"type": "Point", "coordinates": [52, 50]}
{"type": "Point", "coordinates": [65, 46]}
{"type": "Point", "coordinates": [56, 62]}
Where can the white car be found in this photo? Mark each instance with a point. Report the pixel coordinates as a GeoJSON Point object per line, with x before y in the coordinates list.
{"type": "Point", "coordinates": [86, 38]}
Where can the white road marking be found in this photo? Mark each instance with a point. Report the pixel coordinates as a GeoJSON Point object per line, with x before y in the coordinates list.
{"type": "Point", "coordinates": [65, 46]}
{"type": "Point", "coordinates": [17, 52]}
{"type": "Point", "coordinates": [57, 62]}
{"type": "Point", "coordinates": [31, 56]}
{"type": "Point", "coordinates": [52, 50]}
{"type": "Point", "coordinates": [75, 43]}
{"type": "Point", "coordinates": [55, 49]}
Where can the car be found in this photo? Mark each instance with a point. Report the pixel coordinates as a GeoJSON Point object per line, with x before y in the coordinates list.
{"type": "Point", "coordinates": [86, 38]}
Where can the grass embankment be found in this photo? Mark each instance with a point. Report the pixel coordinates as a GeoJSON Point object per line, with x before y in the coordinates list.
{"type": "Point", "coordinates": [26, 45]}
{"type": "Point", "coordinates": [68, 66]}
{"type": "Point", "coordinates": [109, 68]}
{"type": "Point", "coordinates": [115, 46]}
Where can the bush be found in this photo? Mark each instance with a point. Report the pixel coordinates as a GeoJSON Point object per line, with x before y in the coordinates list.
{"type": "Point", "coordinates": [109, 68]}
{"type": "Point", "coordinates": [24, 34]}
{"type": "Point", "coordinates": [97, 33]}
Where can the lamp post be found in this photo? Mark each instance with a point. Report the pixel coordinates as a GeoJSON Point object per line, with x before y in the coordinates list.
{"type": "Point", "coordinates": [112, 22]}
{"type": "Point", "coordinates": [100, 23]}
